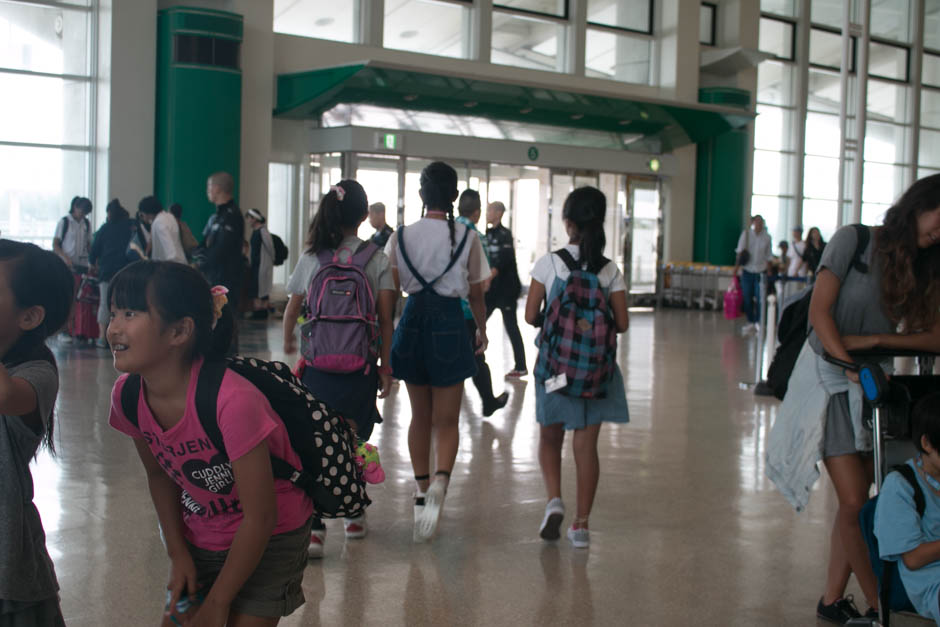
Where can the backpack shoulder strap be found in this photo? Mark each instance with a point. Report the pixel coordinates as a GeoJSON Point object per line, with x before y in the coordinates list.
{"type": "Point", "coordinates": [908, 473]}
{"type": "Point", "coordinates": [65, 226]}
{"type": "Point", "coordinates": [364, 254]}
{"type": "Point", "coordinates": [863, 235]}
{"type": "Point", "coordinates": [568, 259]}
{"type": "Point", "coordinates": [325, 257]}
{"type": "Point", "coordinates": [207, 397]}
{"type": "Point", "coordinates": [130, 396]}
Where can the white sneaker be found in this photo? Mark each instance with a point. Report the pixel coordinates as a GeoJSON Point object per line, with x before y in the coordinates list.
{"type": "Point", "coordinates": [419, 507]}
{"type": "Point", "coordinates": [551, 522]}
{"type": "Point", "coordinates": [355, 528]}
{"type": "Point", "coordinates": [317, 538]}
{"type": "Point", "coordinates": [65, 338]}
{"type": "Point", "coordinates": [426, 521]}
{"type": "Point", "coordinates": [580, 537]}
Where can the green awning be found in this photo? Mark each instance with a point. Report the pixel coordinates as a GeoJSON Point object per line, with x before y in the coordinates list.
{"type": "Point", "coordinates": [663, 127]}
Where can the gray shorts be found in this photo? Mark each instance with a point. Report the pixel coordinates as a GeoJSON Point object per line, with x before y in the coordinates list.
{"type": "Point", "coordinates": [840, 436]}
{"type": "Point", "coordinates": [274, 589]}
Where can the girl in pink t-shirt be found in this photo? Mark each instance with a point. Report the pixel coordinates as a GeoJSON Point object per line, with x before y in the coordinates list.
{"type": "Point", "coordinates": [236, 537]}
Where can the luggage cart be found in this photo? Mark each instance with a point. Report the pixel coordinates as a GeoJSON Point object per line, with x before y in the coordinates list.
{"type": "Point", "coordinates": [885, 395]}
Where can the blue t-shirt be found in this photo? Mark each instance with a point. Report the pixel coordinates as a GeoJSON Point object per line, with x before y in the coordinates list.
{"type": "Point", "coordinates": [899, 529]}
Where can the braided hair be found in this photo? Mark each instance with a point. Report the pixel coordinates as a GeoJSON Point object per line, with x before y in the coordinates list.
{"type": "Point", "coordinates": [338, 210]}
{"type": "Point", "coordinates": [438, 191]}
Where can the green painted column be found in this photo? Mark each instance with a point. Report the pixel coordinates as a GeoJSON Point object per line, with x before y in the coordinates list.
{"type": "Point", "coordinates": [720, 190]}
{"type": "Point", "coordinates": [199, 103]}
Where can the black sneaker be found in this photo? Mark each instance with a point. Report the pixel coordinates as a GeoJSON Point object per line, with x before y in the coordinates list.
{"type": "Point", "coordinates": [497, 403]}
{"type": "Point", "coordinates": [839, 612]}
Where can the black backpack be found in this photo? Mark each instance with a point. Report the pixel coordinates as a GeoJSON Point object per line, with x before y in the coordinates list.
{"type": "Point", "coordinates": [891, 591]}
{"type": "Point", "coordinates": [280, 250]}
{"type": "Point", "coordinates": [321, 437]}
{"type": "Point", "coordinates": [794, 323]}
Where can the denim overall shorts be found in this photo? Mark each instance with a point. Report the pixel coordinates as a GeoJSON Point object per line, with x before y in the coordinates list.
{"type": "Point", "coordinates": [431, 345]}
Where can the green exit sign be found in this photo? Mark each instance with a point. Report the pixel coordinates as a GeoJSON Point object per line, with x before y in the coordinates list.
{"type": "Point", "coordinates": [390, 141]}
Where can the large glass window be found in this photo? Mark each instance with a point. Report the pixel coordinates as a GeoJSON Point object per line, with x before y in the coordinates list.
{"type": "Point", "coordinates": [707, 20]}
{"type": "Point", "coordinates": [527, 42]}
{"type": "Point", "coordinates": [825, 93]}
{"type": "Point", "coordinates": [774, 155]}
{"type": "Point", "coordinates": [829, 12]}
{"type": "Point", "coordinates": [932, 24]}
{"type": "Point", "coordinates": [444, 27]}
{"type": "Point", "coordinates": [891, 19]}
{"type": "Point", "coordinates": [776, 37]}
{"type": "Point", "coordinates": [43, 39]}
{"type": "Point", "coordinates": [45, 129]}
{"type": "Point", "coordinates": [931, 73]}
{"type": "Point", "coordinates": [888, 102]}
{"type": "Point", "coordinates": [887, 61]}
{"type": "Point", "coordinates": [825, 49]}
{"type": "Point", "coordinates": [314, 18]}
{"type": "Point", "coordinates": [930, 108]}
{"type": "Point", "coordinates": [779, 7]}
{"type": "Point", "coordinates": [929, 149]}
{"type": "Point", "coordinates": [618, 56]}
{"type": "Point", "coordinates": [558, 8]}
{"type": "Point", "coordinates": [636, 15]}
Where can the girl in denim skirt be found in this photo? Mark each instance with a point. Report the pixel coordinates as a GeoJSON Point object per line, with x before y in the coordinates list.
{"type": "Point", "coordinates": [436, 262]}
{"type": "Point", "coordinates": [557, 413]}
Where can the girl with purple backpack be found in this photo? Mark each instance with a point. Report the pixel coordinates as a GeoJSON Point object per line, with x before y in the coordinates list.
{"type": "Point", "coordinates": [338, 375]}
{"type": "Point", "coordinates": [564, 403]}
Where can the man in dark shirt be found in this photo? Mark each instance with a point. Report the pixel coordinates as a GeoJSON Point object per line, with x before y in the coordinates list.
{"type": "Point", "coordinates": [377, 219]}
{"type": "Point", "coordinates": [223, 240]}
{"type": "Point", "coordinates": [505, 289]}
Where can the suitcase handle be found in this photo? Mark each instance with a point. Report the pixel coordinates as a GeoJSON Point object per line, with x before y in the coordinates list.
{"type": "Point", "coordinates": [872, 377]}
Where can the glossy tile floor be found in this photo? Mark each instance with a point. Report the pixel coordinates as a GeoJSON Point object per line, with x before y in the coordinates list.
{"type": "Point", "coordinates": [686, 530]}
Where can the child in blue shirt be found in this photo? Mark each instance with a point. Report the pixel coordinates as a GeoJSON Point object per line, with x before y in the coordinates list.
{"type": "Point", "coordinates": [903, 536]}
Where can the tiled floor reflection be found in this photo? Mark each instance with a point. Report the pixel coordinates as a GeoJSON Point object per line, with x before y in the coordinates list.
{"type": "Point", "coordinates": [686, 530]}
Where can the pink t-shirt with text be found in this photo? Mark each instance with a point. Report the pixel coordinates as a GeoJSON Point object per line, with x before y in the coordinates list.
{"type": "Point", "coordinates": [210, 505]}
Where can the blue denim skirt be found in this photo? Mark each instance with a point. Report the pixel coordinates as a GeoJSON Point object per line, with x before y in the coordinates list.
{"type": "Point", "coordinates": [431, 345]}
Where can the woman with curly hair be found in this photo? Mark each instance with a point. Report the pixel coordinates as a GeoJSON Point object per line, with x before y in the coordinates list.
{"type": "Point", "coordinates": [890, 298]}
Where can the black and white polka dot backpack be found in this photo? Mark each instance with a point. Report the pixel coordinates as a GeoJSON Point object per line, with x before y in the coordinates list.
{"type": "Point", "coordinates": [321, 437]}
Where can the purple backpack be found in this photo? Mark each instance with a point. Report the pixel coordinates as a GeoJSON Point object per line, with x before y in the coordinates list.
{"type": "Point", "coordinates": [342, 330]}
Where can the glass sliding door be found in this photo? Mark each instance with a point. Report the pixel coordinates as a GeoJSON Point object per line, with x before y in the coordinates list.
{"type": "Point", "coordinates": [282, 198]}
{"type": "Point", "coordinates": [645, 234]}
{"type": "Point", "coordinates": [562, 183]}
{"type": "Point", "coordinates": [378, 175]}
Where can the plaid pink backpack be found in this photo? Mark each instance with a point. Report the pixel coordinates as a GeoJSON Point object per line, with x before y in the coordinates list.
{"type": "Point", "coordinates": [578, 338]}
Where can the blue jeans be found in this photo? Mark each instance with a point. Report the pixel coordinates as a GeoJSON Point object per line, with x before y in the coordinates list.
{"type": "Point", "coordinates": [750, 291]}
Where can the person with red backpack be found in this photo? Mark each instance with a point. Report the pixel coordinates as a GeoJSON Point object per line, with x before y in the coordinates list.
{"type": "Point", "coordinates": [348, 288]}
{"type": "Point", "coordinates": [578, 385]}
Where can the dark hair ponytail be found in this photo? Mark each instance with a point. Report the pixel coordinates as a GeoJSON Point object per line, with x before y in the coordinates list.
{"type": "Point", "coordinates": [586, 207]}
{"type": "Point", "coordinates": [174, 291]}
{"type": "Point", "coordinates": [38, 278]}
{"type": "Point", "coordinates": [438, 191]}
{"type": "Point", "coordinates": [336, 214]}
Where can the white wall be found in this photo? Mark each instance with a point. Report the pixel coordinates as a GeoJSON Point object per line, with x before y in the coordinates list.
{"type": "Point", "coordinates": [679, 208]}
{"type": "Point", "coordinates": [126, 103]}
